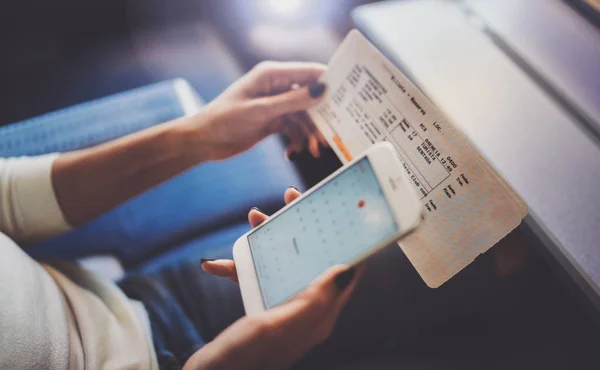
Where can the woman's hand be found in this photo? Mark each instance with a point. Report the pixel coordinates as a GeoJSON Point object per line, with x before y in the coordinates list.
{"type": "Point", "coordinates": [226, 268]}
{"type": "Point", "coordinates": [276, 338]}
{"type": "Point", "coordinates": [272, 97]}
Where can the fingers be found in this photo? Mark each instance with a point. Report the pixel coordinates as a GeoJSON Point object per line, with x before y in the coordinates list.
{"type": "Point", "coordinates": [291, 101]}
{"type": "Point", "coordinates": [317, 300]}
{"type": "Point", "coordinates": [332, 282]}
{"type": "Point", "coordinates": [300, 129]}
{"type": "Point", "coordinates": [330, 292]}
{"type": "Point", "coordinates": [310, 132]}
{"type": "Point", "coordinates": [221, 268]}
{"type": "Point", "coordinates": [321, 295]}
{"type": "Point", "coordinates": [295, 134]}
{"type": "Point", "coordinates": [291, 194]}
{"type": "Point", "coordinates": [256, 217]}
{"type": "Point", "coordinates": [307, 121]}
{"type": "Point", "coordinates": [280, 75]}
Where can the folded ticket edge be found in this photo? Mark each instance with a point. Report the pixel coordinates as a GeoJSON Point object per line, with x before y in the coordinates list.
{"type": "Point", "coordinates": [519, 205]}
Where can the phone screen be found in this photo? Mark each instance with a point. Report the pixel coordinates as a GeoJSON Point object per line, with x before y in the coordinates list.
{"type": "Point", "coordinates": [340, 221]}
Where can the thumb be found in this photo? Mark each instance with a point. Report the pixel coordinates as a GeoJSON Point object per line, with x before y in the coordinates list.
{"type": "Point", "coordinates": [295, 100]}
{"type": "Point", "coordinates": [323, 298]}
{"type": "Point", "coordinates": [321, 295]}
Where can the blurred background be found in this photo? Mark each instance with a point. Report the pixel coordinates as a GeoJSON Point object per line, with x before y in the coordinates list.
{"type": "Point", "coordinates": [56, 53]}
{"type": "Point", "coordinates": [62, 52]}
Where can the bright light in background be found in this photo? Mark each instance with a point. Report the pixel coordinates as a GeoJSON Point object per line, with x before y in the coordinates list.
{"type": "Point", "coordinates": [284, 9]}
{"type": "Point", "coordinates": [278, 41]}
{"type": "Point", "coordinates": [293, 29]}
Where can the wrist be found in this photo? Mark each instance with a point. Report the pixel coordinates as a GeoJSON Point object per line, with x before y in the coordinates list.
{"type": "Point", "coordinates": [193, 138]}
{"type": "Point", "coordinates": [251, 342]}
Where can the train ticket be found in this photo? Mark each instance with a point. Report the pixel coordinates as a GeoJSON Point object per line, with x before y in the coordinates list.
{"type": "Point", "coordinates": [469, 207]}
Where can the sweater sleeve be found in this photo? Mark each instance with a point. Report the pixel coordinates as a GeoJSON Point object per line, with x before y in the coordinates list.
{"type": "Point", "coordinates": [29, 210]}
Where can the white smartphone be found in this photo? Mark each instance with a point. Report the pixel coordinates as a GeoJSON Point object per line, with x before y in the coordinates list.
{"type": "Point", "coordinates": [359, 209]}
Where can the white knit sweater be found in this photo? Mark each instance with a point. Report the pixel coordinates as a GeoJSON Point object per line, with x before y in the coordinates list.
{"type": "Point", "coordinates": [57, 317]}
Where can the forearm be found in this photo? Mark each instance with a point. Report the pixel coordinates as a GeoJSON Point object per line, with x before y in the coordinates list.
{"type": "Point", "coordinates": [227, 352]}
{"type": "Point", "coordinates": [92, 181]}
{"type": "Point", "coordinates": [253, 342]}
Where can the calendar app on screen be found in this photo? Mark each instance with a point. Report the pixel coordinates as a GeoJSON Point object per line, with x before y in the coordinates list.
{"type": "Point", "coordinates": [337, 223]}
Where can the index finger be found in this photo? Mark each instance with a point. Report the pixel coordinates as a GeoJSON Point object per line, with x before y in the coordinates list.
{"type": "Point", "coordinates": [283, 74]}
{"type": "Point", "coordinates": [256, 217]}
{"type": "Point", "coordinates": [291, 194]}
{"type": "Point", "coordinates": [320, 298]}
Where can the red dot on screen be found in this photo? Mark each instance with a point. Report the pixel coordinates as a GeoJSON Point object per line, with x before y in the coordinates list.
{"type": "Point", "coordinates": [361, 203]}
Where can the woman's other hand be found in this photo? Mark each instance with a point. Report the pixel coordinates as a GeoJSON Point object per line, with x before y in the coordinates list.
{"type": "Point", "coordinates": [276, 338]}
{"type": "Point", "coordinates": [272, 97]}
{"type": "Point", "coordinates": [226, 268]}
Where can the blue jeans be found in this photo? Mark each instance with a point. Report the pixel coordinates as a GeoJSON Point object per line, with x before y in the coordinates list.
{"type": "Point", "coordinates": [391, 312]}
{"type": "Point", "coordinates": [187, 308]}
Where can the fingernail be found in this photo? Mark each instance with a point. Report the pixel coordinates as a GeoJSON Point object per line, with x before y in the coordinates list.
{"type": "Point", "coordinates": [316, 89]}
{"type": "Point", "coordinates": [344, 279]}
{"type": "Point", "coordinates": [257, 209]}
{"type": "Point", "coordinates": [293, 187]}
{"type": "Point", "coordinates": [202, 260]}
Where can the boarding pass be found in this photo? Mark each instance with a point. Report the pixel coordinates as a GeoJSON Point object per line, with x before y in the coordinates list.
{"type": "Point", "coordinates": [468, 206]}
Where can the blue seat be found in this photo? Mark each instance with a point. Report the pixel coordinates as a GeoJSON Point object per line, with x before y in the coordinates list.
{"type": "Point", "coordinates": [203, 199]}
{"type": "Point", "coordinates": [217, 244]}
